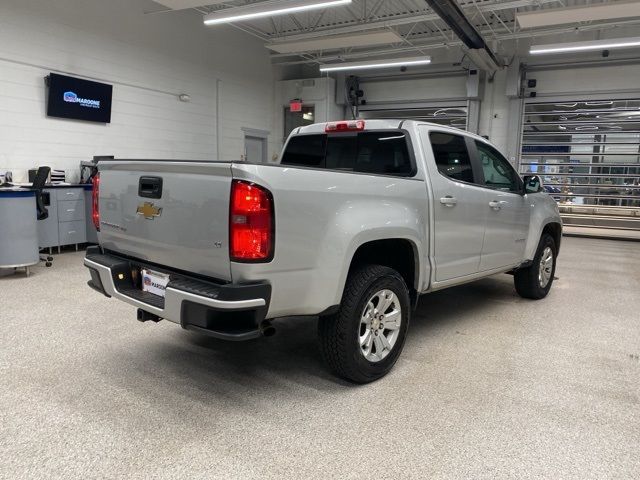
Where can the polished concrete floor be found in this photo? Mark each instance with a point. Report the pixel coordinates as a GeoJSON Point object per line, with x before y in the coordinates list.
{"type": "Point", "coordinates": [489, 386]}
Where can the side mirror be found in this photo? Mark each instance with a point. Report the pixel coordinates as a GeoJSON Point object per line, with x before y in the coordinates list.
{"type": "Point", "coordinates": [532, 184]}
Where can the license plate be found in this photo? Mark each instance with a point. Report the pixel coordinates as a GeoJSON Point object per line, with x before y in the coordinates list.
{"type": "Point", "coordinates": [154, 282]}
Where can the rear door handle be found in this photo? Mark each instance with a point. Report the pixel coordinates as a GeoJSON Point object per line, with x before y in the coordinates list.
{"type": "Point", "coordinates": [448, 201]}
{"type": "Point", "coordinates": [497, 205]}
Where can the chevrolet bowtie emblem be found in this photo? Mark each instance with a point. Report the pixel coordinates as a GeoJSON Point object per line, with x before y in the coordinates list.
{"type": "Point", "coordinates": [148, 211]}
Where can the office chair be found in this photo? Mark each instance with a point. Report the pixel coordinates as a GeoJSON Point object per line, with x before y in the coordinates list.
{"type": "Point", "coordinates": [42, 212]}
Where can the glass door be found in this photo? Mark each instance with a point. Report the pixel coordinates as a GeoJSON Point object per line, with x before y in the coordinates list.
{"type": "Point", "coordinates": [588, 154]}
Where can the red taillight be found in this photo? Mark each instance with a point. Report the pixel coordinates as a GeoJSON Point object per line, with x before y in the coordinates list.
{"type": "Point", "coordinates": [349, 126]}
{"type": "Point", "coordinates": [251, 222]}
{"type": "Point", "coordinates": [95, 212]}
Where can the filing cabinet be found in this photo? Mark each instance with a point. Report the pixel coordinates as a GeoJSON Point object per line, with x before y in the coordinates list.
{"type": "Point", "coordinates": [67, 221]}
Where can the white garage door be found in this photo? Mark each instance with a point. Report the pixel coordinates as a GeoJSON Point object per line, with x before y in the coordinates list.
{"type": "Point", "coordinates": [588, 153]}
{"type": "Point", "coordinates": [453, 115]}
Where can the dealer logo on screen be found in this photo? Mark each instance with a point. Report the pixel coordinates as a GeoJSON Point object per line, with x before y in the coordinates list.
{"type": "Point", "coordinates": [71, 97]}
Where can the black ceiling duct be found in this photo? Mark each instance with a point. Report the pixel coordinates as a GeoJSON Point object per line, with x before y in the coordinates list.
{"type": "Point", "coordinates": [454, 17]}
{"type": "Point", "coordinates": [450, 12]}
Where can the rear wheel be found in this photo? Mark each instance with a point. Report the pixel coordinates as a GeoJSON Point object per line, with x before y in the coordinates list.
{"type": "Point", "coordinates": [535, 281]}
{"type": "Point", "coordinates": [363, 340]}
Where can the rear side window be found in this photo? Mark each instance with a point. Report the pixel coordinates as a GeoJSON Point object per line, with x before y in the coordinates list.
{"type": "Point", "coordinates": [451, 156]}
{"type": "Point", "coordinates": [367, 152]}
{"type": "Point", "coordinates": [305, 151]}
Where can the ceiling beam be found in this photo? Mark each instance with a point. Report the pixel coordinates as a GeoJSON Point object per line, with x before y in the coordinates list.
{"type": "Point", "coordinates": [493, 6]}
{"type": "Point", "coordinates": [430, 44]}
{"type": "Point", "coordinates": [478, 51]}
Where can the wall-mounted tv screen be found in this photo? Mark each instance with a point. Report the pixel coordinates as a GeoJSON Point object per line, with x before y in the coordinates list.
{"type": "Point", "coordinates": [71, 97]}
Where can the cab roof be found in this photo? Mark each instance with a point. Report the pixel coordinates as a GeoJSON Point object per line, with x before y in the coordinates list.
{"type": "Point", "coordinates": [385, 124]}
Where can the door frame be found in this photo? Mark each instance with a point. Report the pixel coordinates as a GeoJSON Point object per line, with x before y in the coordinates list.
{"type": "Point", "coordinates": [431, 171]}
{"type": "Point", "coordinates": [262, 135]}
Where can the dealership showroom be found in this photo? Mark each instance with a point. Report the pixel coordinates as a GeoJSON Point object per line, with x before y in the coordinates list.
{"type": "Point", "coordinates": [312, 239]}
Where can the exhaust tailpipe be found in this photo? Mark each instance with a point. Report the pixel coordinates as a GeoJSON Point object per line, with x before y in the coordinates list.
{"type": "Point", "coordinates": [266, 329]}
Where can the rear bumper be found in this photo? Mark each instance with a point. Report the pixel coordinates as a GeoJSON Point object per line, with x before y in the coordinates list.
{"type": "Point", "coordinates": [227, 311]}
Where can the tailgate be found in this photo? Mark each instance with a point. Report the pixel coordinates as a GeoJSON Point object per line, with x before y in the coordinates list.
{"type": "Point", "coordinates": [170, 213]}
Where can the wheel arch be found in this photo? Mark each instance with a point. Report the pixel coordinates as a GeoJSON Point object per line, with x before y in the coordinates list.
{"type": "Point", "coordinates": [555, 230]}
{"type": "Point", "coordinates": [400, 254]}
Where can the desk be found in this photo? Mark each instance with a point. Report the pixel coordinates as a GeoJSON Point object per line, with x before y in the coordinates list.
{"type": "Point", "coordinates": [18, 229]}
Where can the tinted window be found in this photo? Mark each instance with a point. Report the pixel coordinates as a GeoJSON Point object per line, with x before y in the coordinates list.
{"type": "Point", "coordinates": [451, 155]}
{"type": "Point", "coordinates": [383, 152]}
{"type": "Point", "coordinates": [341, 152]}
{"type": "Point", "coordinates": [369, 152]}
{"type": "Point", "coordinates": [306, 151]}
{"type": "Point", "coordinates": [498, 172]}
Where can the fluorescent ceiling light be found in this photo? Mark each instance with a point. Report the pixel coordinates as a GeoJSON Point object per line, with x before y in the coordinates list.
{"type": "Point", "coordinates": [268, 9]}
{"type": "Point", "coordinates": [588, 13]}
{"type": "Point", "coordinates": [334, 42]}
{"type": "Point", "coordinates": [586, 46]}
{"type": "Point", "coordinates": [373, 64]}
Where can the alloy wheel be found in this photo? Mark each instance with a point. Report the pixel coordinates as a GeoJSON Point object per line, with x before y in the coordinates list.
{"type": "Point", "coordinates": [380, 325]}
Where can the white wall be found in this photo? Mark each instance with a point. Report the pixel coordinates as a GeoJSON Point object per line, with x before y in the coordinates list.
{"type": "Point", "coordinates": [149, 59]}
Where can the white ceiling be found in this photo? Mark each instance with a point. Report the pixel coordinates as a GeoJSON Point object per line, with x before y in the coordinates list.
{"type": "Point", "coordinates": [185, 4]}
{"type": "Point", "coordinates": [413, 28]}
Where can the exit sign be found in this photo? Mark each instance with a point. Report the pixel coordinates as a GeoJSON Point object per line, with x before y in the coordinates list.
{"type": "Point", "coordinates": [295, 105]}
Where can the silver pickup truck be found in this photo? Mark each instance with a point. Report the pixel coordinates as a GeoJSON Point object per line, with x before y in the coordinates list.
{"type": "Point", "coordinates": [355, 223]}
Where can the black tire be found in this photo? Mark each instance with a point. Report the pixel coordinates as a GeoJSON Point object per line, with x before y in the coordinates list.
{"type": "Point", "coordinates": [526, 280]}
{"type": "Point", "coordinates": [339, 333]}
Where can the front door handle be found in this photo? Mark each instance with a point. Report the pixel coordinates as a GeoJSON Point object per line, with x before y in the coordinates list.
{"type": "Point", "coordinates": [448, 201]}
{"type": "Point", "coordinates": [497, 205]}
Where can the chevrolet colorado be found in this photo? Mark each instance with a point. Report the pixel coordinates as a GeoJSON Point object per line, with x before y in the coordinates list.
{"type": "Point", "coordinates": [356, 221]}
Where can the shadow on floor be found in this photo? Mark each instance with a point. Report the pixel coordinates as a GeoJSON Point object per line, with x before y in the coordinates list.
{"type": "Point", "coordinates": [217, 368]}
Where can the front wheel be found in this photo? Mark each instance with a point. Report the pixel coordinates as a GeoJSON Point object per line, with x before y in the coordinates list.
{"type": "Point", "coordinates": [362, 342]}
{"type": "Point", "coordinates": [535, 281]}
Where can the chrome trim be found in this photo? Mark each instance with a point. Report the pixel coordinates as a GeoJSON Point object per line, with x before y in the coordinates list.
{"type": "Point", "coordinates": [435, 286]}
{"type": "Point", "coordinates": [173, 297]}
{"type": "Point", "coordinates": [220, 304]}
